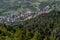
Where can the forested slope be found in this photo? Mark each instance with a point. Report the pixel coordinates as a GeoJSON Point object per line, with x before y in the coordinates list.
{"type": "Point", "coordinates": [7, 6]}
{"type": "Point", "coordinates": [43, 27]}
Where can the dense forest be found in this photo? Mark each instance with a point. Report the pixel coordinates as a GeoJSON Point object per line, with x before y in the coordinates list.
{"type": "Point", "coordinates": [43, 27]}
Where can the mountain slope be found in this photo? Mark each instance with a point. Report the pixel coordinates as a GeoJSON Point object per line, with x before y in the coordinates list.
{"type": "Point", "coordinates": [22, 5]}
{"type": "Point", "coordinates": [42, 27]}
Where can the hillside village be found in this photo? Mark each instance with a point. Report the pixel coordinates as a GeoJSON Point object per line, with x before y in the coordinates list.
{"type": "Point", "coordinates": [15, 16]}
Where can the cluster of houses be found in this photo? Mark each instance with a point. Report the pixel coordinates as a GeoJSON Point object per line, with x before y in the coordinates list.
{"type": "Point", "coordinates": [15, 16]}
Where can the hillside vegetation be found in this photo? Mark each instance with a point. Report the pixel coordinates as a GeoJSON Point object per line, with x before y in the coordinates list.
{"type": "Point", "coordinates": [6, 6]}
{"type": "Point", "coordinates": [43, 27]}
